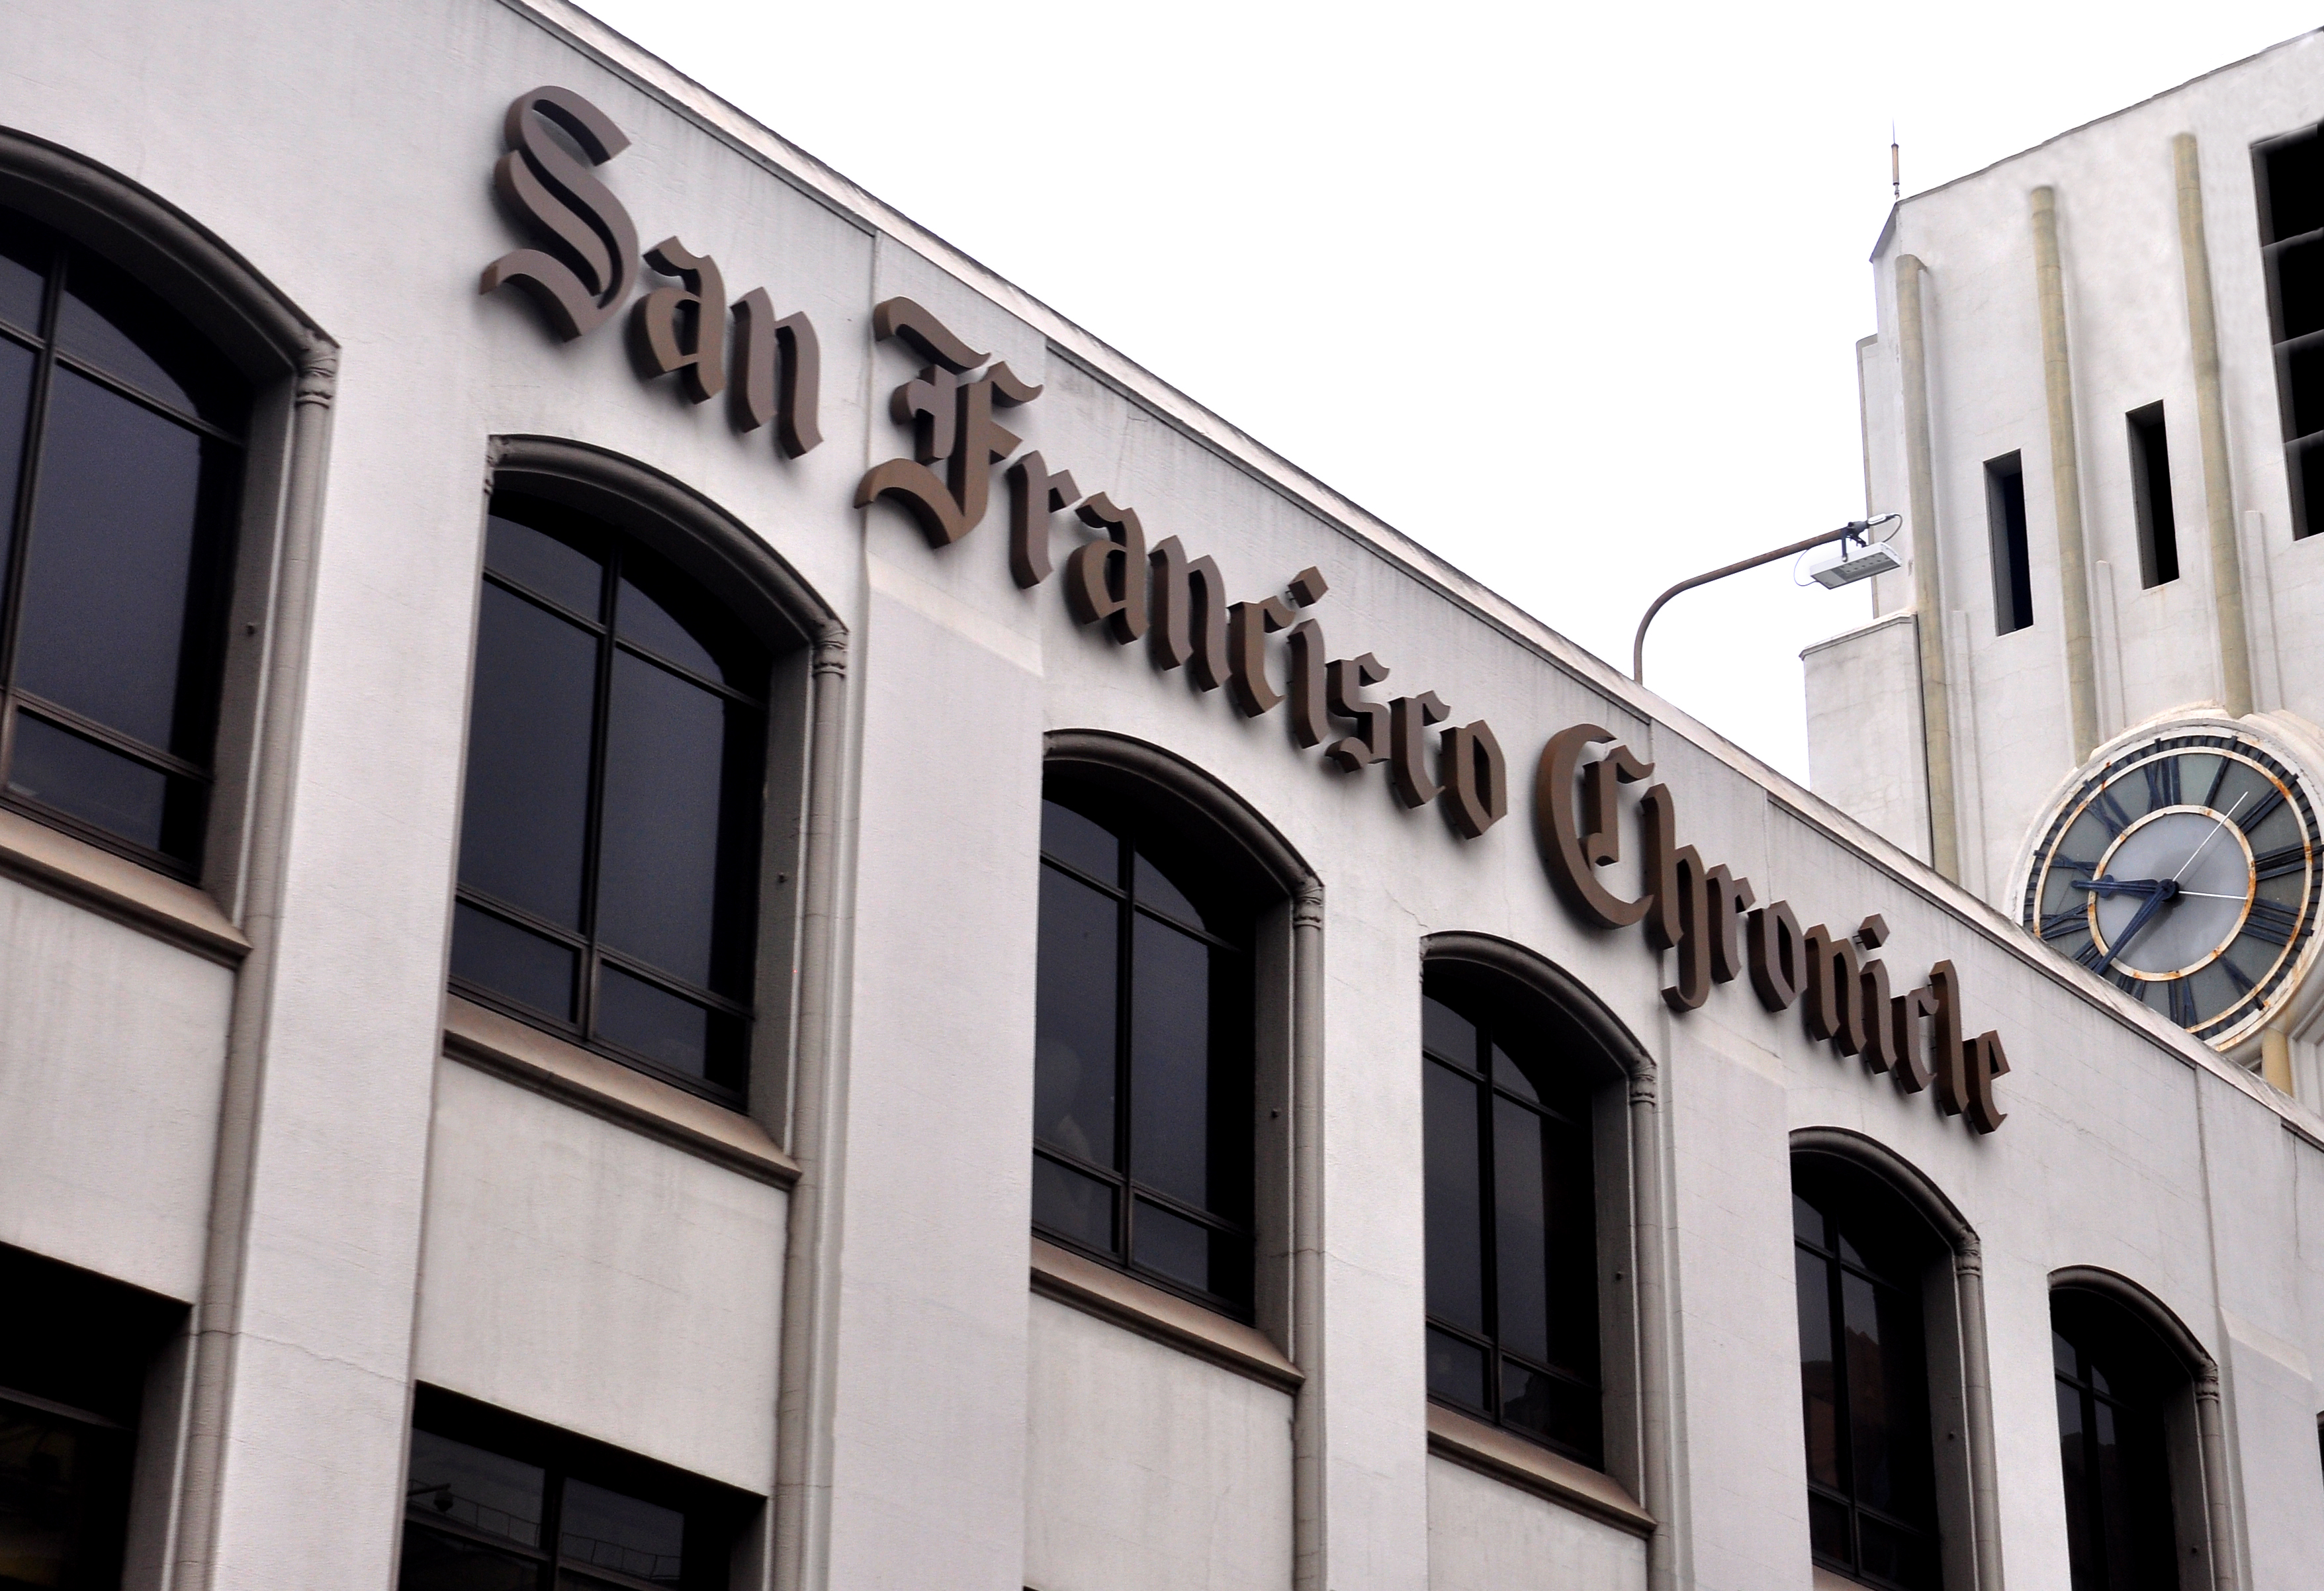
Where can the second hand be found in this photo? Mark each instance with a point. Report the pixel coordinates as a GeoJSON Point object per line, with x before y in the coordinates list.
{"type": "Point", "coordinates": [2208, 838]}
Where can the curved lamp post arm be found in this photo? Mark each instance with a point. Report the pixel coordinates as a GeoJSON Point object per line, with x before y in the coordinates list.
{"type": "Point", "coordinates": [1854, 529]}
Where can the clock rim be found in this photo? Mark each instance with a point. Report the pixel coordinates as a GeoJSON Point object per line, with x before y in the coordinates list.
{"type": "Point", "coordinates": [2295, 749]}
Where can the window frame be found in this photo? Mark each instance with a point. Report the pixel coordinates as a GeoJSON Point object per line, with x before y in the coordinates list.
{"type": "Point", "coordinates": [590, 953]}
{"type": "Point", "coordinates": [561, 1454]}
{"type": "Point", "coordinates": [1622, 1078]}
{"type": "Point", "coordinates": [2010, 546]}
{"type": "Point", "coordinates": [289, 367]}
{"type": "Point", "coordinates": [1839, 1265]}
{"type": "Point", "coordinates": [1959, 1374]}
{"type": "Point", "coordinates": [2152, 510]}
{"type": "Point", "coordinates": [1285, 1066]}
{"type": "Point", "coordinates": [1121, 1177]}
{"type": "Point", "coordinates": [199, 662]}
{"type": "Point", "coordinates": [2301, 450]}
{"type": "Point", "coordinates": [804, 719]}
{"type": "Point", "coordinates": [2195, 1444]}
{"type": "Point", "coordinates": [1488, 1090]}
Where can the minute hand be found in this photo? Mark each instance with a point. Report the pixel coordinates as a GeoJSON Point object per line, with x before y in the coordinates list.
{"type": "Point", "coordinates": [2159, 893]}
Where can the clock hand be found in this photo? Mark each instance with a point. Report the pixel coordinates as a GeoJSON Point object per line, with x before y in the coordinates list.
{"type": "Point", "coordinates": [2208, 838]}
{"type": "Point", "coordinates": [2164, 892]}
{"type": "Point", "coordinates": [2111, 885]}
{"type": "Point", "coordinates": [2210, 895]}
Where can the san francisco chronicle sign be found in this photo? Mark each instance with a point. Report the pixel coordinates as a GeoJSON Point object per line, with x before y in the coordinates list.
{"type": "Point", "coordinates": [1174, 600]}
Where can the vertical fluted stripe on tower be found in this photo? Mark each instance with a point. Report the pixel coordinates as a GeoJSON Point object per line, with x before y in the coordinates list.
{"type": "Point", "coordinates": [2211, 422]}
{"type": "Point", "coordinates": [1928, 589]}
{"type": "Point", "coordinates": [2065, 478]}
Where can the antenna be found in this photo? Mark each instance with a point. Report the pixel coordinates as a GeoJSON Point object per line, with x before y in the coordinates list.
{"type": "Point", "coordinates": [1896, 166]}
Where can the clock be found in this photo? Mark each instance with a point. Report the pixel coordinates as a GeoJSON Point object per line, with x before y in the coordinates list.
{"type": "Point", "coordinates": [2183, 868]}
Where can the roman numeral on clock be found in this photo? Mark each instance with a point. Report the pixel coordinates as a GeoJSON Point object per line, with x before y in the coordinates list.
{"type": "Point", "coordinates": [2090, 956]}
{"type": "Point", "coordinates": [2257, 813]}
{"type": "Point", "coordinates": [2109, 813]}
{"type": "Point", "coordinates": [2271, 922]}
{"type": "Point", "coordinates": [2058, 924]}
{"type": "Point", "coordinates": [2292, 858]}
{"type": "Point", "coordinates": [2182, 1003]}
{"type": "Point", "coordinates": [2163, 783]}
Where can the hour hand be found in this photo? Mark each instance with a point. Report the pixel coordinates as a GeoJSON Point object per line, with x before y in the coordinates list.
{"type": "Point", "coordinates": [2111, 885]}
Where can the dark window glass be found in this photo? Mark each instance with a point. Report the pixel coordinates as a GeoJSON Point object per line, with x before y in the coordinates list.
{"type": "Point", "coordinates": [74, 1348]}
{"type": "Point", "coordinates": [2113, 1379]}
{"type": "Point", "coordinates": [121, 452]}
{"type": "Point", "coordinates": [2150, 480]}
{"type": "Point", "coordinates": [1142, 1069]}
{"type": "Point", "coordinates": [1864, 1387]}
{"type": "Point", "coordinates": [1511, 1219]}
{"type": "Point", "coordinates": [2004, 513]}
{"type": "Point", "coordinates": [496, 1503]}
{"type": "Point", "coordinates": [2290, 180]}
{"type": "Point", "coordinates": [609, 835]}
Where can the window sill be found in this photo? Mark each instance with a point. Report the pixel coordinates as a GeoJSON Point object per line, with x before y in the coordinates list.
{"type": "Point", "coordinates": [1824, 1580]}
{"type": "Point", "coordinates": [1083, 1284]}
{"type": "Point", "coordinates": [57, 864]}
{"type": "Point", "coordinates": [548, 1065]}
{"type": "Point", "coordinates": [1474, 1445]}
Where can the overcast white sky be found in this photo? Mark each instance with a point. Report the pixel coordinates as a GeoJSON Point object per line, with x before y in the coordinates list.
{"type": "Point", "coordinates": [1618, 251]}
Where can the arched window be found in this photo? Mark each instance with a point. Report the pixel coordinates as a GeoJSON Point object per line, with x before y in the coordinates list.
{"type": "Point", "coordinates": [1143, 1069]}
{"type": "Point", "coordinates": [1513, 1321]}
{"type": "Point", "coordinates": [2115, 1383]}
{"type": "Point", "coordinates": [121, 434]}
{"type": "Point", "coordinates": [1861, 1256]}
{"type": "Point", "coordinates": [609, 837]}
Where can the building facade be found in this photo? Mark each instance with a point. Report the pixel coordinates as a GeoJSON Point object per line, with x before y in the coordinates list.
{"type": "Point", "coordinates": [688, 898]}
{"type": "Point", "coordinates": [2092, 396]}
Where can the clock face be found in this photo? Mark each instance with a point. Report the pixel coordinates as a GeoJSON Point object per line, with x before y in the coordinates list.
{"type": "Point", "coordinates": [2184, 871]}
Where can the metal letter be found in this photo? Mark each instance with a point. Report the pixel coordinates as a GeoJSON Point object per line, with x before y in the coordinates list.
{"type": "Point", "coordinates": [1987, 1061]}
{"type": "Point", "coordinates": [1948, 1054]}
{"type": "Point", "coordinates": [1775, 944]}
{"type": "Point", "coordinates": [1407, 716]}
{"type": "Point", "coordinates": [1730, 899]}
{"type": "Point", "coordinates": [1342, 681]}
{"type": "Point", "coordinates": [1573, 856]}
{"type": "Point", "coordinates": [1107, 579]}
{"type": "Point", "coordinates": [1874, 1011]}
{"type": "Point", "coordinates": [780, 373]}
{"type": "Point", "coordinates": [1658, 866]}
{"type": "Point", "coordinates": [1692, 910]}
{"type": "Point", "coordinates": [1310, 723]}
{"type": "Point", "coordinates": [1034, 495]}
{"type": "Point", "coordinates": [1905, 1013]}
{"type": "Point", "coordinates": [1476, 778]}
{"type": "Point", "coordinates": [1189, 622]}
{"type": "Point", "coordinates": [1831, 1010]}
{"type": "Point", "coordinates": [931, 337]}
{"type": "Point", "coordinates": [585, 271]}
{"type": "Point", "coordinates": [668, 340]}
{"type": "Point", "coordinates": [1248, 624]}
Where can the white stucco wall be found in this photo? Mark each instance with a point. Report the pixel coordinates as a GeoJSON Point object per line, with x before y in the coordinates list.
{"type": "Point", "coordinates": [1484, 1536]}
{"type": "Point", "coordinates": [110, 1058]}
{"type": "Point", "coordinates": [585, 1276]}
{"type": "Point", "coordinates": [1149, 1470]}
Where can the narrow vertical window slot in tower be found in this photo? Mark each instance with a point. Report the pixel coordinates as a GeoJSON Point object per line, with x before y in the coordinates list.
{"type": "Point", "coordinates": [2290, 180]}
{"type": "Point", "coordinates": [2149, 489]}
{"type": "Point", "coordinates": [2004, 514]}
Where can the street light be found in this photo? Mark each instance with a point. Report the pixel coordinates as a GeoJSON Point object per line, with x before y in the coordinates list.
{"type": "Point", "coordinates": [1856, 557]}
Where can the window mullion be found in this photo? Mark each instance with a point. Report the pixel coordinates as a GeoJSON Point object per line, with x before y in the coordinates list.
{"type": "Point", "coordinates": [1843, 1436]}
{"type": "Point", "coordinates": [1489, 1216]}
{"type": "Point", "coordinates": [36, 426]}
{"type": "Point", "coordinates": [592, 827]}
{"type": "Point", "coordinates": [552, 1526]}
{"type": "Point", "coordinates": [1125, 932]}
